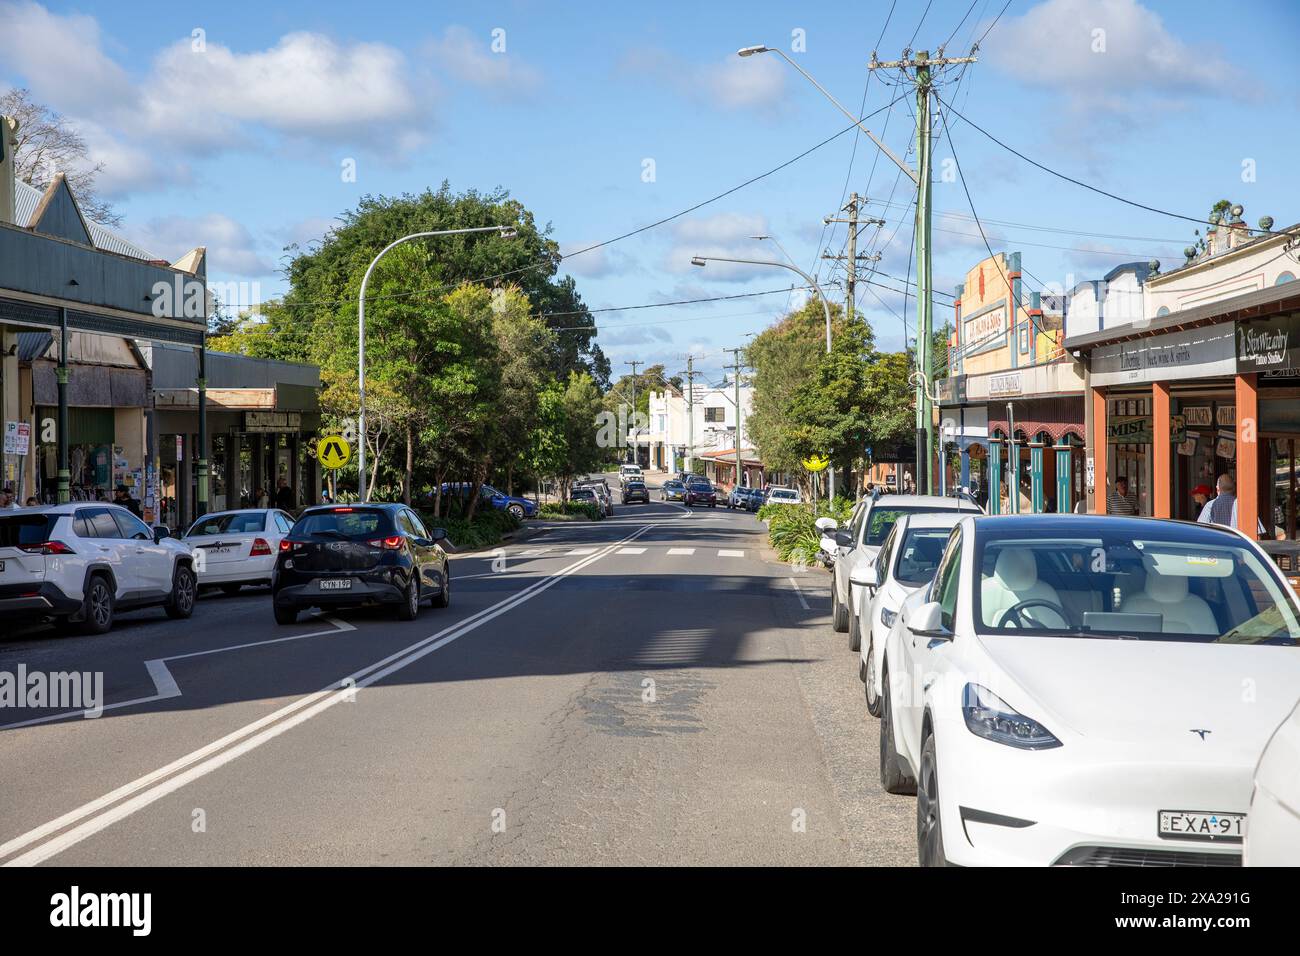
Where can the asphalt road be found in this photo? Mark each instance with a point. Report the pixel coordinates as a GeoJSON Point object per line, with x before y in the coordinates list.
{"type": "Point", "coordinates": [652, 688]}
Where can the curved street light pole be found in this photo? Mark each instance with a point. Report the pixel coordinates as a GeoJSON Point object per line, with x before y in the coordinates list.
{"type": "Point", "coordinates": [506, 232]}
{"type": "Point", "coordinates": [826, 309]}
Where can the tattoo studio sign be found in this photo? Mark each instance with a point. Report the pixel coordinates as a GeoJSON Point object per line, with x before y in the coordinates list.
{"type": "Point", "coordinates": [1270, 346]}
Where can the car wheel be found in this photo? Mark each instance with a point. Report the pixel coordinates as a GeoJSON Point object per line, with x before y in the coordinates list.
{"type": "Point", "coordinates": [839, 612]}
{"type": "Point", "coordinates": [230, 589]}
{"type": "Point", "coordinates": [180, 604]}
{"type": "Point", "coordinates": [444, 597]}
{"type": "Point", "coordinates": [409, 609]}
{"type": "Point", "coordinates": [517, 511]}
{"type": "Point", "coordinates": [873, 699]}
{"type": "Point", "coordinates": [285, 614]}
{"type": "Point", "coordinates": [929, 824]}
{"type": "Point", "coordinates": [892, 778]}
{"type": "Point", "coordinates": [855, 631]}
{"type": "Point", "coordinates": [98, 607]}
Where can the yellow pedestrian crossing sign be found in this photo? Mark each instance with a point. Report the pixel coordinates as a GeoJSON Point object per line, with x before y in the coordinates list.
{"type": "Point", "coordinates": [333, 451]}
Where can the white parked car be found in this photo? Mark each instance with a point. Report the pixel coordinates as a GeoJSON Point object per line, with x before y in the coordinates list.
{"type": "Point", "coordinates": [80, 563]}
{"type": "Point", "coordinates": [784, 496]}
{"type": "Point", "coordinates": [235, 548]}
{"type": "Point", "coordinates": [906, 563]}
{"type": "Point", "coordinates": [857, 542]}
{"type": "Point", "coordinates": [1087, 690]}
{"type": "Point", "coordinates": [1273, 831]}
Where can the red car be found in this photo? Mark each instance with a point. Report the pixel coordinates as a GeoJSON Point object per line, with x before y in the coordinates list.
{"type": "Point", "coordinates": [701, 493]}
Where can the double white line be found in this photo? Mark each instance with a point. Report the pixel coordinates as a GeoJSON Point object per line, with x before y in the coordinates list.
{"type": "Point", "coordinates": [101, 813]}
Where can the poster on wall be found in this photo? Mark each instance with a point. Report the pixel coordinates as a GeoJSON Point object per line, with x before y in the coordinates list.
{"type": "Point", "coordinates": [1226, 446]}
{"type": "Point", "coordinates": [1188, 446]}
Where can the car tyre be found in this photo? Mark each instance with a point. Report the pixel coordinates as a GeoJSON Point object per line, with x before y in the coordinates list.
{"type": "Point", "coordinates": [409, 609]}
{"type": "Point", "coordinates": [929, 822]}
{"type": "Point", "coordinates": [869, 679]}
{"type": "Point", "coordinates": [443, 598]}
{"type": "Point", "coordinates": [839, 611]}
{"type": "Point", "coordinates": [97, 608]}
{"type": "Point", "coordinates": [180, 603]}
{"type": "Point", "coordinates": [516, 510]}
{"type": "Point", "coordinates": [892, 778]}
{"type": "Point", "coordinates": [285, 614]}
{"type": "Point", "coordinates": [855, 631]}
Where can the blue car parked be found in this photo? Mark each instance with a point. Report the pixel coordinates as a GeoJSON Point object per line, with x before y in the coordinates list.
{"type": "Point", "coordinates": [519, 507]}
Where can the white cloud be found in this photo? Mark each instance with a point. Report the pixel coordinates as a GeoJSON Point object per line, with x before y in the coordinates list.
{"type": "Point", "coordinates": [1110, 55]}
{"type": "Point", "coordinates": [599, 263]}
{"type": "Point", "coordinates": [232, 249]}
{"type": "Point", "coordinates": [472, 60]}
{"type": "Point", "coordinates": [755, 82]}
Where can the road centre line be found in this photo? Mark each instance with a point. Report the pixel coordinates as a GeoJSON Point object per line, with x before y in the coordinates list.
{"type": "Point", "coordinates": [209, 758]}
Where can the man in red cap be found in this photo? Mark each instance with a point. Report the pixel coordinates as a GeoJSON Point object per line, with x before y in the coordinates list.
{"type": "Point", "coordinates": [1200, 495]}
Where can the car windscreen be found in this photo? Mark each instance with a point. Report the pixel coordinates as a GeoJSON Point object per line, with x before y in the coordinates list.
{"type": "Point", "coordinates": [582, 493]}
{"type": "Point", "coordinates": [19, 530]}
{"type": "Point", "coordinates": [881, 519]}
{"type": "Point", "coordinates": [228, 524]}
{"type": "Point", "coordinates": [783, 496]}
{"type": "Point", "coordinates": [343, 524]}
{"type": "Point", "coordinates": [1172, 586]}
{"type": "Point", "coordinates": [919, 556]}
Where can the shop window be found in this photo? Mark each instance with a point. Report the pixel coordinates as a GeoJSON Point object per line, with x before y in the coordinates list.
{"type": "Point", "coordinates": [1280, 517]}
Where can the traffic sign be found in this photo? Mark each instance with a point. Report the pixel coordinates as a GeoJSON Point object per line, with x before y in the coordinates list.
{"type": "Point", "coordinates": [333, 451]}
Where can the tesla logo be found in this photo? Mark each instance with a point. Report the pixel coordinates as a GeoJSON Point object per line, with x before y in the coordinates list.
{"type": "Point", "coordinates": [1202, 733]}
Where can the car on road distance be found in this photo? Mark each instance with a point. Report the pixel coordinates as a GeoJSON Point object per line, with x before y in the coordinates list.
{"type": "Point", "coordinates": [79, 564]}
{"type": "Point", "coordinates": [1069, 690]}
{"type": "Point", "coordinates": [360, 555]}
{"type": "Point", "coordinates": [701, 493]}
{"type": "Point", "coordinates": [742, 497]}
{"type": "Point", "coordinates": [603, 495]}
{"type": "Point", "coordinates": [856, 542]}
{"type": "Point", "coordinates": [635, 491]}
{"type": "Point", "coordinates": [673, 490]}
{"type": "Point", "coordinates": [235, 548]}
{"type": "Point", "coordinates": [1273, 837]}
{"type": "Point", "coordinates": [784, 496]}
{"type": "Point", "coordinates": [586, 495]}
{"type": "Point", "coordinates": [630, 471]}
{"type": "Point", "coordinates": [521, 508]}
{"type": "Point", "coordinates": [906, 563]}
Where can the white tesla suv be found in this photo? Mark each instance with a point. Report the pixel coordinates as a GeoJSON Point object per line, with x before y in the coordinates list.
{"type": "Point", "coordinates": [906, 563]}
{"type": "Point", "coordinates": [1088, 690]}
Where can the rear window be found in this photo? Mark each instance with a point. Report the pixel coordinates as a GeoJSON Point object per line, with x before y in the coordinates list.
{"type": "Point", "coordinates": [227, 524]}
{"type": "Point", "coordinates": [350, 524]}
{"type": "Point", "coordinates": [19, 530]}
{"type": "Point", "coordinates": [881, 518]}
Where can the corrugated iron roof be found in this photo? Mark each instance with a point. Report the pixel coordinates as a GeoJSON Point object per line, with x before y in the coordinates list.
{"type": "Point", "coordinates": [27, 197]}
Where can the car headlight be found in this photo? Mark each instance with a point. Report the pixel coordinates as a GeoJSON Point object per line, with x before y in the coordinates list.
{"type": "Point", "coordinates": [989, 716]}
{"type": "Point", "coordinates": [888, 617]}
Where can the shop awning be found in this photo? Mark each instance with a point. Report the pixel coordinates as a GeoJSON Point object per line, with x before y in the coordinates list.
{"type": "Point", "coordinates": [1056, 416]}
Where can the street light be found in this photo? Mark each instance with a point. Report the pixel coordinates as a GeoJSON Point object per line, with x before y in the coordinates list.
{"type": "Point", "coordinates": [505, 232]}
{"type": "Point", "coordinates": [826, 309]}
{"type": "Point", "coordinates": [751, 50]}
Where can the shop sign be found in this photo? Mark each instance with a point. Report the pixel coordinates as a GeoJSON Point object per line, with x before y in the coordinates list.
{"type": "Point", "coordinates": [985, 330]}
{"type": "Point", "coordinates": [1198, 416]}
{"type": "Point", "coordinates": [1194, 353]}
{"type": "Point", "coordinates": [1129, 430]}
{"type": "Point", "coordinates": [1227, 416]}
{"type": "Point", "coordinates": [1001, 386]}
{"type": "Point", "coordinates": [272, 421]}
{"type": "Point", "coordinates": [1270, 346]}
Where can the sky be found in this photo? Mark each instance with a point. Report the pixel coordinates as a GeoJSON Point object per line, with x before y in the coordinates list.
{"type": "Point", "coordinates": [237, 126]}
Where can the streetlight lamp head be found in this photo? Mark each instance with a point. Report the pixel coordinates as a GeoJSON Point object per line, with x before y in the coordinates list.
{"type": "Point", "coordinates": [751, 50]}
{"type": "Point", "coordinates": [509, 232]}
{"type": "Point", "coordinates": [697, 261]}
{"type": "Point", "coordinates": [760, 237]}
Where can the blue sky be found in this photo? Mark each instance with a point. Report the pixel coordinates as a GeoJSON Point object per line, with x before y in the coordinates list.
{"type": "Point", "coordinates": [237, 142]}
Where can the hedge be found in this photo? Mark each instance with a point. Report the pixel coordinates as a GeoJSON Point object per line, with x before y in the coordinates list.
{"type": "Point", "coordinates": [488, 528]}
{"type": "Point", "coordinates": [570, 511]}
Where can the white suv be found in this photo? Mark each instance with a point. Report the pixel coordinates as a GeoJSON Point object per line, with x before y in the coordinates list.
{"type": "Point", "coordinates": [79, 563]}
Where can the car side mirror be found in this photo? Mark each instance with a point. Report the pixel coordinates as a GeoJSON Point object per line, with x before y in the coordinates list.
{"type": "Point", "coordinates": [826, 524]}
{"type": "Point", "coordinates": [865, 576]}
{"type": "Point", "coordinates": [438, 534]}
{"type": "Point", "coordinates": [160, 532]}
{"type": "Point", "coordinates": [844, 538]}
{"type": "Point", "coordinates": [927, 621]}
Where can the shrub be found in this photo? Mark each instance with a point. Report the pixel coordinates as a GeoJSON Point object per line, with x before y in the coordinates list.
{"type": "Point", "coordinates": [570, 511]}
{"type": "Point", "coordinates": [487, 528]}
{"type": "Point", "coordinates": [793, 531]}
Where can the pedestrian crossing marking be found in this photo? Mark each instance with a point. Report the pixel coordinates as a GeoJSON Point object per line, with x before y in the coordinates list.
{"type": "Point", "coordinates": [631, 551]}
{"type": "Point", "coordinates": [577, 551]}
{"type": "Point", "coordinates": [726, 553]}
{"type": "Point", "coordinates": [681, 550]}
{"type": "Point", "coordinates": [534, 551]}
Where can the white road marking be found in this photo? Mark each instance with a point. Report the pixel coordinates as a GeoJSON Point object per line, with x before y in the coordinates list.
{"type": "Point", "coordinates": [631, 550]}
{"type": "Point", "coordinates": [215, 755]}
{"type": "Point", "coordinates": [532, 551]}
{"type": "Point", "coordinates": [728, 553]}
{"type": "Point", "coordinates": [577, 551]}
{"type": "Point", "coordinates": [795, 584]}
{"type": "Point", "coordinates": [681, 550]}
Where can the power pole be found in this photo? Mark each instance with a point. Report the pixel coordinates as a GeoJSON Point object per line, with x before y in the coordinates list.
{"type": "Point", "coordinates": [921, 65]}
{"type": "Point", "coordinates": [690, 411]}
{"type": "Point", "coordinates": [852, 259]}
{"type": "Point", "coordinates": [735, 368]}
{"type": "Point", "coordinates": [635, 460]}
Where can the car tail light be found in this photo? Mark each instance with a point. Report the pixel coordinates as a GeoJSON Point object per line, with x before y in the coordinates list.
{"type": "Point", "coordinates": [285, 545]}
{"type": "Point", "coordinates": [47, 547]}
{"type": "Point", "coordinates": [342, 511]}
{"type": "Point", "coordinates": [391, 543]}
{"type": "Point", "coordinates": [260, 548]}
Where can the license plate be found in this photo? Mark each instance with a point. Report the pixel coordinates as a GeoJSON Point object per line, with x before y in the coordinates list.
{"type": "Point", "coordinates": [2, 567]}
{"type": "Point", "coordinates": [336, 584]}
{"type": "Point", "coordinates": [1200, 825]}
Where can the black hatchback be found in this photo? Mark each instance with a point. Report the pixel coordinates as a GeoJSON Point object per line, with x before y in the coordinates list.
{"type": "Point", "coordinates": [356, 556]}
